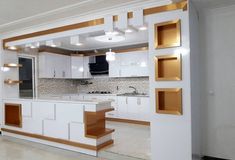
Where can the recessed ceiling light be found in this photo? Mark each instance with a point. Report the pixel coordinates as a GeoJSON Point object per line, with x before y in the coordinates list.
{"type": "Point", "coordinates": [12, 48]}
{"type": "Point", "coordinates": [53, 45]}
{"type": "Point", "coordinates": [106, 38]}
{"type": "Point", "coordinates": [143, 28]}
{"type": "Point", "coordinates": [78, 44]}
{"type": "Point", "coordinates": [128, 30]}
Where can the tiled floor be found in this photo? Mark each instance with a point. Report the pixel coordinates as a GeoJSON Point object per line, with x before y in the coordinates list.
{"type": "Point", "coordinates": [130, 140]}
{"type": "Point", "coordinates": [14, 149]}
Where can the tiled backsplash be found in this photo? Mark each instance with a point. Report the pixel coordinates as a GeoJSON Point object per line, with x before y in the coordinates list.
{"type": "Point", "coordinates": [56, 87]}
{"type": "Point", "coordinates": [116, 85]}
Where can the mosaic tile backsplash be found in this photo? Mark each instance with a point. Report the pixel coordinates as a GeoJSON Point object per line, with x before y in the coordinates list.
{"type": "Point", "coordinates": [56, 87]}
{"type": "Point", "coordinates": [114, 85]}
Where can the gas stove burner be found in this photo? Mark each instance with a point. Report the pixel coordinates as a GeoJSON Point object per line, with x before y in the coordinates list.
{"type": "Point", "coordinates": [99, 92]}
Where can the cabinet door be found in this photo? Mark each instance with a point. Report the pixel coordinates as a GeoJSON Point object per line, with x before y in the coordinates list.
{"type": "Point", "coordinates": [132, 105]}
{"type": "Point", "coordinates": [66, 73]}
{"type": "Point", "coordinates": [87, 73]}
{"type": "Point", "coordinates": [144, 108]}
{"type": "Point", "coordinates": [114, 67]}
{"type": "Point", "coordinates": [46, 65]}
{"type": "Point", "coordinates": [77, 68]}
{"type": "Point", "coordinates": [122, 107]}
{"type": "Point", "coordinates": [43, 110]}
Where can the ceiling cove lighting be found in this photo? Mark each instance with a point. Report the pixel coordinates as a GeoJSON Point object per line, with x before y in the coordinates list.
{"type": "Point", "coordinates": [143, 28]}
{"type": "Point", "coordinates": [110, 56]}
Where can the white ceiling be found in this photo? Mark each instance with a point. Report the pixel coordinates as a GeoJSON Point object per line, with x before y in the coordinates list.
{"type": "Point", "coordinates": [89, 43]}
{"type": "Point", "coordinates": [16, 14]}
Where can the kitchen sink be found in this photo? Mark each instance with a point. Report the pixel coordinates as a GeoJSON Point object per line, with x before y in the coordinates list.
{"type": "Point", "coordinates": [134, 94]}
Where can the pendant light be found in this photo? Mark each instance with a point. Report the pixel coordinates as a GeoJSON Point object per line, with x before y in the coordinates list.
{"type": "Point", "coordinates": [110, 56]}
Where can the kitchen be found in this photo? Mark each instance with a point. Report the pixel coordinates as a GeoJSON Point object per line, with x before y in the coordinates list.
{"type": "Point", "coordinates": [87, 87]}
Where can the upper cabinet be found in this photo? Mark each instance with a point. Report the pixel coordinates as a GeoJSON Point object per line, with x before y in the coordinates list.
{"type": "Point", "coordinates": [129, 64]}
{"type": "Point", "coordinates": [54, 65]}
{"type": "Point", "coordinates": [80, 67]}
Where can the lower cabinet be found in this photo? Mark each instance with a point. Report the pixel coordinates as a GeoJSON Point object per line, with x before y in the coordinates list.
{"type": "Point", "coordinates": [56, 129]}
{"type": "Point", "coordinates": [134, 108]}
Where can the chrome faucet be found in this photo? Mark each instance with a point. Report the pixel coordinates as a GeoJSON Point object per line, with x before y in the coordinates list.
{"type": "Point", "coordinates": [135, 90]}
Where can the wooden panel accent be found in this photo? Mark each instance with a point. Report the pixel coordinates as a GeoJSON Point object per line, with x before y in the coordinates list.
{"type": "Point", "coordinates": [168, 34]}
{"type": "Point", "coordinates": [169, 101]}
{"type": "Point", "coordinates": [95, 124]}
{"type": "Point", "coordinates": [12, 82]}
{"type": "Point", "coordinates": [56, 50]}
{"type": "Point", "coordinates": [62, 141]}
{"type": "Point", "coordinates": [148, 11]}
{"type": "Point", "coordinates": [129, 121]}
{"type": "Point", "coordinates": [168, 67]}
{"type": "Point", "coordinates": [13, 115]}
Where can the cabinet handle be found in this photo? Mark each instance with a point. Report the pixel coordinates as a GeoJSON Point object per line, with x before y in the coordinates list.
{"type": "Point", "coordinates": [54, 74]}
{"type": "Point", "coordinates": [63, 73]}
{"type": "Point", "coordinates": [126, 100]}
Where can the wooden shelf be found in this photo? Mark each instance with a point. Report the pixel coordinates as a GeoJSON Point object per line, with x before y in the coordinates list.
{"type": "Point", "coordinates": [12, 65]}
{"type": "Point", "coordinates": [168, 34]}
{"type": "Point", "coordinates": [12, 82]}
{"type": "Point", "coordinates": [98, 134]}
{"type": "Point", "coordinates": [168, 68]}
{"type": "Point", "coordinates": [13, 115]}
{"type": "Point", "coordinates": [95, 124]}
{"type": "Point", "coordinates": [169, 101]}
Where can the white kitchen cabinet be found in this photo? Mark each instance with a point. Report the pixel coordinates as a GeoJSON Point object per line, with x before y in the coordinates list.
{"type": "Point", "coordinates": [114, 67]}
{"type": "Point", "coordinates": [54, 65]}
{"type": "Point", "coordinates": [43, 110]}
{"type": "Point", "coordinates": [134, 108]}
{"type": "Point", "coordinates": [56, 129]}
{"type": "Point", "coordinates": [122, 105]}
{"type": "Point", "coordinates": [129, 64]}
{"type": "Point", "coordinates": [80, 67]}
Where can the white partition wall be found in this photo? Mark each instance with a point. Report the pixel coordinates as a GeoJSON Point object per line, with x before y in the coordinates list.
{"type": "Point", "coordinates": [171, 136]}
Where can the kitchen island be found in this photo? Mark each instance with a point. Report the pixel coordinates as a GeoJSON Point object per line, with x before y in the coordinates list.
{"type": "Point", "coordinates": [73, 125]}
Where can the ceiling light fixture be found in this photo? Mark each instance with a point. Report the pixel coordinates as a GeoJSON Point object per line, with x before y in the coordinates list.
{"type": "Point", "coordinates": [12, 48]}
{"type": "Point", "coordinates": [128, 30]}
{"type": "Point", "coordinates": [110, 39]}
{"type": "Point", "coordinates": [110, 56]}
{"type": "Point", "coordinates": [143, 28]}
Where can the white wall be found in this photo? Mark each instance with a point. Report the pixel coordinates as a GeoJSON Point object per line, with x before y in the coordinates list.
{"type": "Point", "coordinates": [218, 82]}
{"type": "Point", "coordinates": [171, 134]}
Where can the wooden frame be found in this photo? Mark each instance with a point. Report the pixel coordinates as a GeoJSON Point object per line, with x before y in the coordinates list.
{"type": "Point", "coordinates": [168, 34]}
{"type": "Point", "coordinates": [148, 11]}
{"type": "Point", "coordinates": [13, 115]}
{"type": "Point", "coordinates": [168, 68]}
{"type": "Point", "coordinates": [145, 123]}
{"type": "Point", "coordinates": [169, 101]}
{"type": "Point", "coordinates": [95, 124]}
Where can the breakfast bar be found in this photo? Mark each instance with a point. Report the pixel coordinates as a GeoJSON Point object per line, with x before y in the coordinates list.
{"type": "Point", "coordinates": [73, 125]}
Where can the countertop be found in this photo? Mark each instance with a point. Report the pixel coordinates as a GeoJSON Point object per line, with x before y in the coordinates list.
{"type": "Point", "coordinates": [50, 99]}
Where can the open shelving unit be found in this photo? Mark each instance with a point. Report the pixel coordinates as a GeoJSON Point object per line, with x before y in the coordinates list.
{"type": "Point", "coordinates": [168, 34]}
{"type": "Point", "coordinates": [168, 68]}
{"type": "Point", "coordinates": [95, 124]}
{"type": "Point", "coordinates": [169, 101]}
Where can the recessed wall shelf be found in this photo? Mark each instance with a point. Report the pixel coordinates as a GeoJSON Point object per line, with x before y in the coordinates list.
{"type": "Point", "coordinates": [168, 68]}
{"type": "Point", "coordinates": [168, 34]}
{"type": "Point", "coordinates": [13, 65]}
{"type": "Point", "coordinates": [12, 82]}
{"type": "Point", "coordinates": [169, 101]}
{"type": "Point", "coordinates": [13, 115]}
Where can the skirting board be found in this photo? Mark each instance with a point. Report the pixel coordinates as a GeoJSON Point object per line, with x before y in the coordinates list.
{"type": "Point", "coordinates": [212, 158]}
{"type": "Point", "coordinates": [128, 121]}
